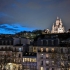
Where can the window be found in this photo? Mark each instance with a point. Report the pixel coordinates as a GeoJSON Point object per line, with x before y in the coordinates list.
{"type": "Point", "coordinates": [69, 69]}
{"type": "Point", "coordinates": [47, 62]}
{"type": "Point", "coordinates": [14, 60]}
{"type": "Point", "coordinates": [41, 56]}
{"type": "Point", "coordinates": [15, 49]}
{"type": "Point", "coordinates": [47, 49]}
{"type": "Point", "coordinates": [61, 50]}
{"type": "Point", "coordinates": [41, 42]}
{"type": "Point", "coordinates": [19, 55]}
{"type": "Point", "coordinates": [34, 59]}
{"type": "Point", "coordinates": [20, 49]}
{"type": "Point", "coordinates": [47, 42]}
{"type": "Point", "coordinates": [42, 68]}
{"type": "Point", "coordinates": [47, 68]}
{"type": "Point", "coordinates": [47, 55]}
{"type": "Point", "coordinates": [34, 48]}
{"type": "Point", "coordinates": [52, 62]}
{"type": "Point", "coordinates": [23, 59]}
{"type": "Point", "coordinates": [52, 42]}
{"type": "Point", "coordinates": [52, 49]}
{"type": "Point", "coordinates": [52, 68]}
{"type": "Point", "coordinates": [41, 62]}
{"type": "Point", "coordinates": [41, 49]}
{"type": "Point", "coordinates": [62, 63]}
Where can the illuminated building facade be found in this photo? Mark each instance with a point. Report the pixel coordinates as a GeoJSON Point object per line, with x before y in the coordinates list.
{"type": "Point", "coordinates": [29, 61]}
{"type": "Point", "coordinates": [10, 55]}
{"type": "Point", "coordinates": [53, 53]}
{"type": "Point", "coordinates": [58, 27]}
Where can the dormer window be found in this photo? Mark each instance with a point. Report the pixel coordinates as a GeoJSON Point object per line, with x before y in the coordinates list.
{"type": "Point", "coordinates": [6, 42]}
{"type": "Point", "coordinates": [52, 42]}
{"type": "Point", "coordinates": [2, 42]}
{"type": "Point", "coordinates": [41, 42]}
{"type": "Point", "coordinates": [10, 42]}
{"type": "Point", "coordinates": [47, 42]}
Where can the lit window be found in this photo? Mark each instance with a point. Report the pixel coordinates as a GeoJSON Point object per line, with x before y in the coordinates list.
{"type": "Point", "coordinates": [47, 55]}
{"type": "Point", "coordinates": [20, 49]}
{"type": "Point", "coordinates": [42, 68]}
{"type": "Point", "coordinates": [47, 62]}
{"type": "Point", "coordinates": [34, 60]}
{"type": "Point", "coordinates": [28, 59]}
{"type": "Point", "coordinates": [69, 69]}
{"type": "Point", "coordinates": [41, 56]}
{"type": "Point", "coordinates": [47, 49]}
{"type": "Point", "coordinates": [52, 62]}
{"type": "Point", "coordinates": [52, 49]}
{"type": "Point", "coordinates": [41, 49]}
{"type": "Point", "coordinates": [62, 63]}
{"type": "Point", "coordinates": [31, 59]}
{"type": "Point", "coordinates": [23, 59]}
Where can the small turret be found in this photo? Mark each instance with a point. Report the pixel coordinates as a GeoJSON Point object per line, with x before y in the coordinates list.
{"type": "Point", "coordinates": [57, 18]}
{"type": "Point", "coordinates": [60, 22]}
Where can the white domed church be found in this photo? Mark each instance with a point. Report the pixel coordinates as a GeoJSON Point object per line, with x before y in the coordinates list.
{"type": "Point", "coordinates": [58, 27]}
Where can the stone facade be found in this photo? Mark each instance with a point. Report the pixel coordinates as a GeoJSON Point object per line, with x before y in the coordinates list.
{"type": "Point", "coordinates": [58, 27]}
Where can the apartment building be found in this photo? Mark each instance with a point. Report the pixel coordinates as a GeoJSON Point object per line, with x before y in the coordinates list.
{"type": "Point", "coordinates": [53, 53]}
{"type": "Point", "coordinates": [10, 55]}
{"type": "Point", "coordinates": [29, 61]}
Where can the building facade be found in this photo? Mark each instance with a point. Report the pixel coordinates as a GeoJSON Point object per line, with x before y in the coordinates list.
{"type": "Point", "coordinates": [29, 61]}
{"type": "Point", "coordinates": [10, 55]}
{"type": "Point", "coordinates": [51, 55]}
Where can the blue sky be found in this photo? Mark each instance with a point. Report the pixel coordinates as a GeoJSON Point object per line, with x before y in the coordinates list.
{"type": "Point", "coordinates": [34, 14]}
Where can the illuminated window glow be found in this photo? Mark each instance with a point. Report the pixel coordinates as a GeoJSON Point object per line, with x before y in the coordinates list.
{"type": "Point", "coordinates": [47, 55]}
{"type": "Point", "coordinates": [47, 49]}
{"type": "Point", "coordinates": [42, 68]}
{"type": "Point", "coordinates": [41, 49]}
{"type": "Point", "coordinates": [52, 49]}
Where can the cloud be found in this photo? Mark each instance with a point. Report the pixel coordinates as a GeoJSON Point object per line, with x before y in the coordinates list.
{"type": "Point", "coordinates": [33, 13]}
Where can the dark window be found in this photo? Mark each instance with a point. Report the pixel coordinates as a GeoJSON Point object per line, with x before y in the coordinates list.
{"type": "Point", "coordinates": [69, 50]}
{"type": "Point", "coordinates": [52, 68]}
{"type": "Point", "coordinates": [61, 50]}
{"type": "Point", "coordinates": [68, 57]}
{"type": "Point", "coordinates": [47, 68]}
{"type": "Point", "coordinates": [41, 62]}
{"type": "Point", "coordinates": [0, 42]}
{"type": "Point", "coordinates": [15, 49]}
{"type": "Point", "coordinates": [19, 55]}
{"type": "Point", "coordinates": [6, 48]}
{"type": "Point", "coordinates": [44, 42]}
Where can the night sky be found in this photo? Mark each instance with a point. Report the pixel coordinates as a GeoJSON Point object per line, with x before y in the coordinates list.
{"type": "Point", "coordinates": [33, 14]}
